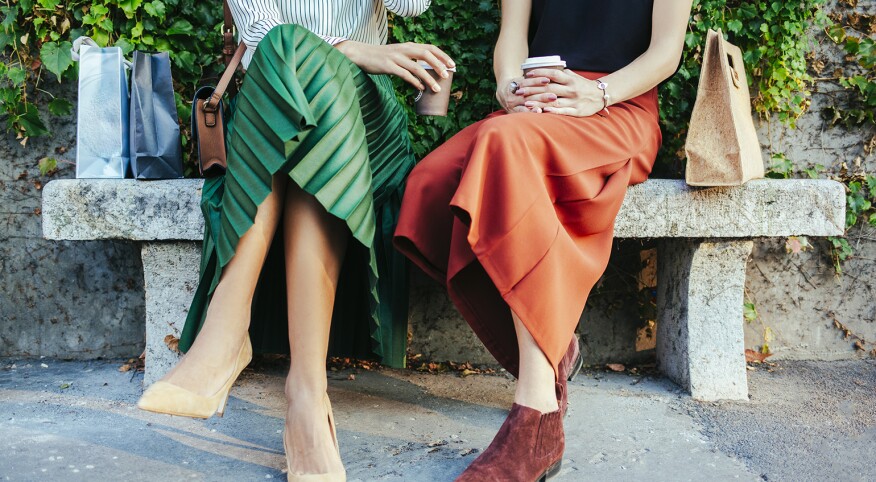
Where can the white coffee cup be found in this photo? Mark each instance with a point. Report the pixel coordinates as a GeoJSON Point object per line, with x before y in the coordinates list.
{"type": "Point", "coordinates": [547, 62]}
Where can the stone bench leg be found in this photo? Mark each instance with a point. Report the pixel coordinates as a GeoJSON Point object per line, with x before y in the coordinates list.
{"type": "Point", "coordinates": [170, 274]}
{"type": "Point", "coordinates": [700, 340]}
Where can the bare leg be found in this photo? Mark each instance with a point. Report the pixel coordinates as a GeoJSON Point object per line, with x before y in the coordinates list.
{"type": "Point", "coordinates": [209, 361]}
{"type": "Point", "coordinates": [315, 243]}
{"type": "Point", "coordinates": [535, 383]}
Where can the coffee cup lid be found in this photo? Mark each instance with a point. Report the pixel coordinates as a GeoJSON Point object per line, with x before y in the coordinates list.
{"type": "Point", "coordinates": [546, 61]}
{"type": "Point", "coordinates": [426, 66]}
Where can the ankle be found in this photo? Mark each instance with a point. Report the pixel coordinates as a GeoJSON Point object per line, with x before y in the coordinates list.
{"type": "Point", "coordinates": [306, 391]}
{"type": "Point", "coordinates": [545, 401]}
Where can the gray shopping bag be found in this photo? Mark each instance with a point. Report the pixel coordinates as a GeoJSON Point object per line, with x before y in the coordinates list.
{"type": "Point", "coordinates": [154, 136]}
{"type": "Point", "coordinates": [102, 114]}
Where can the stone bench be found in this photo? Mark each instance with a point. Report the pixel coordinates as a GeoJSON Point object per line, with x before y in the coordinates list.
{"type": "Point", "coordinates": [704, 241]}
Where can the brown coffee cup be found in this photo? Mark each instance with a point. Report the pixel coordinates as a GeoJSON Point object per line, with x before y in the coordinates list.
{"type": "Point", "coordinates": [548, 62]}
{"type": "Point", "coordinates": [429, 102]}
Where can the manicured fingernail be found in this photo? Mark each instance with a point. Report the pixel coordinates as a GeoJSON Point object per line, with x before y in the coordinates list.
{"type": "Point", "coordinates": [444, 73]}
{"type": "Point", "coordinates": [452, 63]}
{"type": "Point", "coordinates": [529, 104]}
{"type": "Point", "coordinates": [529, 74]}
{"type": "Point", "coordinates": [552, 97]}
{"type": "Point", "coordinates": [436, 88]}
{"type": "Point", "coordinates": [519, 92]}
{"type": "Point", "coordinates": [545, 80]}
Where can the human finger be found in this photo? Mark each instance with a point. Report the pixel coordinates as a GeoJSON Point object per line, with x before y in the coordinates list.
{"type": "Point", "coordinates": [418, 70]}
{"type": "Point", "coordinates": [437, 65]}
{"type": "Point", "coordinates": [555, 75]}
{"type": "Point", "coordinates": [441, 55]}
{"type": "Point", "coordinates": [545, 98]}
{"type": "Point", "coordinates": [407, 76]}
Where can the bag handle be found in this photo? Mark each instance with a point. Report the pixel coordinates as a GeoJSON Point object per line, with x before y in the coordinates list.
{"type": "Point", "coordinates": [77, 46]}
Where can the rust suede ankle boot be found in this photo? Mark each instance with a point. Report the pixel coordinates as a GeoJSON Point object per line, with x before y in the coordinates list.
{"type": "Point", "coordinates": [528, 448]}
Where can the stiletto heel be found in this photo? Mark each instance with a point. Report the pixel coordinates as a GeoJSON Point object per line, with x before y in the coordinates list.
{"type": "Point", "coordinates": [167, 398]}
{"type": "Point", "coordinates": [339, 476]}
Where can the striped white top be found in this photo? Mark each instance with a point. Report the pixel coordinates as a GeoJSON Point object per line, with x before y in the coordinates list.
{"type": "Point", "coordinates": [333, 20]}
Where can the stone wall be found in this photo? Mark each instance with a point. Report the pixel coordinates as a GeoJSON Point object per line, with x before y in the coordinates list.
{"type": "Point", "coordinates": [60, 299]}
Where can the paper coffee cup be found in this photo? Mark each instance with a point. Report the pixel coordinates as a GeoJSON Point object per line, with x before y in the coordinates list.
{"type": "Point", "coordinates": [429, 102]}
{"type": "Point", "coordinates": [548, 62]}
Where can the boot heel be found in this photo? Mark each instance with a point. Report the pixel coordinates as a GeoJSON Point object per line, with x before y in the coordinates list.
{"type": "Point", "coordinates": [578, 363]}
{"type": "Point", "coordinates": [552, 471]}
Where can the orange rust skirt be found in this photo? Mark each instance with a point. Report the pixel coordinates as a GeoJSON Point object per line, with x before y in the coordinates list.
{"type": "Point", "coordinates": [516, 212]}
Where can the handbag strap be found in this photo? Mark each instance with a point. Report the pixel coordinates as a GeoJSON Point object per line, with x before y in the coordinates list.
{"type": "Point", "coordinates": [213, 103]}
{"type": "Point", "coordinates": [231, 57]}
{"type": "Point", "coordinates": [227, 33]}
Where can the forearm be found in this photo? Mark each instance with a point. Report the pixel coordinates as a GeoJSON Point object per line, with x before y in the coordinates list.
{"type": "Point", "coordinates": [669, 24]}
{"type": "Point", "coordinates": [640, 76]}
{"type": "Point", "coordinates": [511, 47]}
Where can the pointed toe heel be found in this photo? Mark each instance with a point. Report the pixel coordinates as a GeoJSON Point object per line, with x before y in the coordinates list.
{"type": "Point", "coordinates": [170, 399]}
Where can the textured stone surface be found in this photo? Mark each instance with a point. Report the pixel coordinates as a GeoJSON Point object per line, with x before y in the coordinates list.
{"type": "Point", "coordinates": [123, 209]}
{"type": "Point", "coordinates": [170, 277]}
{"type": "Point", "coordinates": [700, 342]}
{"type": "Point", "coordinates": [60, 299]}
{"type": "Point", "coordinates": [127, 209]}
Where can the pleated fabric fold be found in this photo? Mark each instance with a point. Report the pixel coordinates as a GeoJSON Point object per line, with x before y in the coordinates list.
{"type": "Point", "coordinates": [305, 110]}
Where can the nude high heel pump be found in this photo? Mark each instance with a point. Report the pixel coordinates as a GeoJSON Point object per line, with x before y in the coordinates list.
{"type": "Point", "coordinates": [339, 476]}
{"type": "Point", "coordinates": [164, 397]}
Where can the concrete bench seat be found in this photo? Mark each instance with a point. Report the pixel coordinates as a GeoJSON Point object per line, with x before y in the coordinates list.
{"type": "Point", "coordinates": [704, 241]}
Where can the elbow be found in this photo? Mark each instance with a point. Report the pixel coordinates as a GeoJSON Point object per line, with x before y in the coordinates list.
{"type": "Point", "coordinates": [670, 64]}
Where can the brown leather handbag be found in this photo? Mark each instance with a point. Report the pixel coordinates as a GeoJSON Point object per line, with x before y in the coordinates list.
{"type": "Point", "coordinates": [208, 118]}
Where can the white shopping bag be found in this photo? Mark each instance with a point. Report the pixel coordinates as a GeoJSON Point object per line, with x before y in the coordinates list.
{"type": "Point", "coordinates": [102, 117]}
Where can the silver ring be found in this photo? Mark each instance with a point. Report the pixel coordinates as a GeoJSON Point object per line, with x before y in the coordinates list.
{"type": "Point", "coordinates": [419, 95]}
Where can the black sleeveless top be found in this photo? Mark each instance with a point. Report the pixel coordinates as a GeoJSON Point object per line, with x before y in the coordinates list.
{"type": "Point", "coordinates": [593, 35]}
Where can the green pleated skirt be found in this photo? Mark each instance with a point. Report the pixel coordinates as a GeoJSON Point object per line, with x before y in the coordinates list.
{"type": "Point", "coordinates": [306, 111]}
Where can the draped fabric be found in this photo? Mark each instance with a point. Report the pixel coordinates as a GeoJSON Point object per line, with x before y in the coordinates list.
{"type": "Point", "coordinates": [304, 110]}
{"type": "Point", "coordinates": [516, 212]}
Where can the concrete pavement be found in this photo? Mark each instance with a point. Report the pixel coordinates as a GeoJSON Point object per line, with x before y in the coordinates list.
{"type": "Point", "coordinates": [78, 421]}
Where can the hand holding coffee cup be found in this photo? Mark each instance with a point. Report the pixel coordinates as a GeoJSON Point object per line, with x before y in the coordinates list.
{"type": "Point", "coordinates": [429, 102]}
{"type": "Point", "coordinates": [531, 86]}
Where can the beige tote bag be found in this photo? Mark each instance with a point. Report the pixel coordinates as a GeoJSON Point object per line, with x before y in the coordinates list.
{"type": "Point", "coordinates": [722, 147]}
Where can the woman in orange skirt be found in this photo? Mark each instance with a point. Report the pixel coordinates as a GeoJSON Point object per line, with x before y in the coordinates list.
{"type": "Point", "coordinates": [516, 212]}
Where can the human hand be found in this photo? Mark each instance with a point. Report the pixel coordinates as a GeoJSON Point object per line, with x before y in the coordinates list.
{"type": "Point", "coordinates": [561, 92]}
{"type": "Point", "coordinates": [399, 60]}
{"type": "Point", "coordinates": [510, 101]}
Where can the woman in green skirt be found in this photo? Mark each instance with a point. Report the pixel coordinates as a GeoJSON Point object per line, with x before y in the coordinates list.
{"type": "Point", "coordinates": [298, 237]}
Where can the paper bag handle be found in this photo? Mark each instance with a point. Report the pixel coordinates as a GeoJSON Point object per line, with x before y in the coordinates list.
{"type": "Point", "coordinates": [77, 45]}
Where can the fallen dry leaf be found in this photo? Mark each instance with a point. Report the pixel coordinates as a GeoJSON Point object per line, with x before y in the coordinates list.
{"type": "Point", "coordinates": [172, 342]}
{"type": "Point", "coordinates": [125, 368]}
{"type": "Point", "coordinates": [752, 356]}
{"type": "Point", "coordinates": [616, 367]}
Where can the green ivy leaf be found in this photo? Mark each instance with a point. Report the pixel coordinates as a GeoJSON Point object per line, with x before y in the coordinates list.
{"type": "Point", "coordinates": [749, 311]}
{"type": "Point", "coordinates": [180, 27]}
{"type": "Point", "coordinates": [56, 57]}
{"type": "Point", "coordinates": [156, 9]}
{"type": "Point", "coordinates": [60, 107]}
{"type": "Point", "coordinates": [130, 7]}
{"type": "Point", "coordinates": [30, 121]}
{"type": "Point", "coordinates": [16, 75]}
{"type": "Point", "coordinates": [47, 165]}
